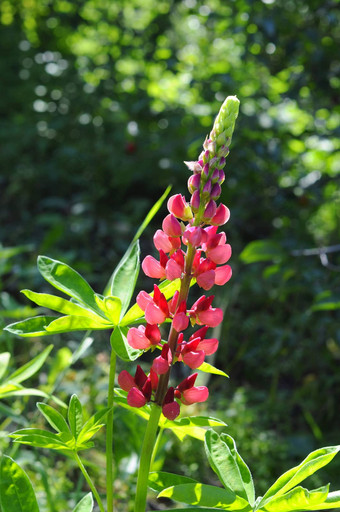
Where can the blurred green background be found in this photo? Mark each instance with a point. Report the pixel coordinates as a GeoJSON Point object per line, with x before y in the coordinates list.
{"type": "Point", "coordinates": [101, 102]}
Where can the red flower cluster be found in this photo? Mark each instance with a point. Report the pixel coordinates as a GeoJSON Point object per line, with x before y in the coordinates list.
{"type": "Point", "coordinates": [192, 226]}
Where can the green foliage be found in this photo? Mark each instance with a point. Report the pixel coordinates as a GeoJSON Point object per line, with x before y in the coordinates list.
{"type": "Point", "coordinates": [238, 493]}
{"type": "Point", "coordinates": [10, 385]}
{"type": "Point", "coordinates": [85, 504]}
{"type": "Point", "coordinates": [16, 491]}
{"type": "Point", "coordinates": [71, 437]}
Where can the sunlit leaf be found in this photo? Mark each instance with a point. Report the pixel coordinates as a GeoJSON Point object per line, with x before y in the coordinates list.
{"type": "Point", "coordinates": [209, 368]}
{"type": "Point", "coordinates": [67, 280]}
{"type": "Point", "coordinates": [159, 480]}
{"type": "Point", "coordinates": [95, 423]}
{"type": "Point", "coordinates": [59, 304]}
{"type": "Point", "coordinates": [206, 496]}
{"type": "Point", "coordinates": [30, 368]}
{"type": "Point", "coordinates": [35, 326]}
{"type": "Point", "coordinates": [75, 415]}
{"type": "Point", "coordinates": [74, 323]}
{"type": "Point", "coordinates": [230, 468]}
{"type": "Point", "coordinates": [4, 360]}
{"type": "Point", "coordinates": [314, 461]}
{"type": "Point", "coordinates": [296, 499]}
{"type": "Point", "coordinates": [16, 491]}
{"type": "Point", "coordinates": [54, 418]}
{"type": "Point", "coordinates": [85, 504]}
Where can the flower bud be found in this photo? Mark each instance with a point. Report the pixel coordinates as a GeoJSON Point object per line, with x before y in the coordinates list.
{"type": "Point", "coordinates": [206, 190]}
{"type": "Point", "coordinates": [206, 156]}
{"type": "Point", "coordinates": [222, 177]}
{"type": "Point", "coordinates": [195, 201]}
{"type": "Point", "coordinates": [209, 211]}
{"type": "Point", "coordinates": [215, 191]}
{"type": "Point", "coordinates": [194, 183]}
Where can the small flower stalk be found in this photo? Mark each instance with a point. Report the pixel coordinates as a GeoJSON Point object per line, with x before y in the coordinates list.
{"type": "Point", "coordinates": [189, 248]}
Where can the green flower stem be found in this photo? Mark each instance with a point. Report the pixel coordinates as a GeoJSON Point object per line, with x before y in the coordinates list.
{"type": "Point", "coordinates": [145, 459]}
{"type": "Point", "coordinates": [109, 433]}
{"type": "Point", "coordinates": [89, 481]}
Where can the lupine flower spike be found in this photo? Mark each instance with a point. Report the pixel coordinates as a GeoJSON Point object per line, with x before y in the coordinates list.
{"type": "Point", "coordinates": [189, 247]}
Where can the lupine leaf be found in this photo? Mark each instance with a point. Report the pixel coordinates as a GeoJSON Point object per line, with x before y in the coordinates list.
{"type": "Point", "coordinates": [152, 213]}
{"type": "Point", "coordinates": [209, 368]}
{"type": "Point", "coordinates": [120, 345]}
{"type": "Point", "coordinates": [7, 391]}
{"type": "Point", "coordinates": [54, 418]}
{"type": "Point", "coordinates": [296, 499]}
{"type": "Point", "coordinates": [124, 278]}
{"type": "Point", "coordinates": [75, 415]}
{"type": "Point", "coordinates": [159, 480]}
{"type": "Point", "coordinates": [16, 491]}
{"type": "Point", "coordinates": [75, 323]}
{"type": "Point", "coordinates": [35, 326]}
{"type": "Point", "coordinates": [95, 423]}
{"type": "Point", "coordinates": [332, 501]}
{"type": "Point", "coordinates": [85, 504]}
{"type": "Point", "coordinates": [43, 439]}
{"type": "Point", "coordinates": [59, 304]}
{"type": "Point", "coordinates": [206, 496]}
{"type": "Point", "coordinates": [193, 427]}
{"type": "Point", "coordinates": [230, 468]}
{"type": "Point", "coordinates": [113, 308]}
{"type": "Point", "coordinates": [4, 361]}
{"type": "Point", "coordinates": [67, 280]}
{"type": "Point", "coordinates": [308, 466]}
{"type": "Point", "coordinates": [30, 368]}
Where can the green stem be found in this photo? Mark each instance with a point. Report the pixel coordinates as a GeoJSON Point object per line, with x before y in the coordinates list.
{"type": "Point", "coordinates": [155, 448]}
{"type": "Point", "coordinates": [89, 481]}
{"type": "Point", "coordinates": [145, 459]}
{"type": "Point", "coordinates": [109, 433]}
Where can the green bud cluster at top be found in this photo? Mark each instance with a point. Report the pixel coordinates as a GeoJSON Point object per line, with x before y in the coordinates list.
{"type": "Point", "coordinates": [225, 121]}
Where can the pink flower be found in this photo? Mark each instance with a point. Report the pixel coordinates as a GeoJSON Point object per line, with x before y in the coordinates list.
{"type": "Point", "coordinates": [223, 274]}
{"type": "Point", "coordinates": [139, 388]}
{"type": "Point", "coordinates": [153, 268]}
{"type": "Point", "coordinates": [155, 308]}
{"type": "Point", "coordinates": [162, 363]}
{"type": "Point", "coordinates": [170, 407]}
{"type": "Point", "coordinates": [166, 243]}
{"type": "Point", "coordinates": [203, 314]}
{"type": "Point", "coordinates": [194, 235]}
{"type": "Point", "coordinates": [221, 216]}
{"type": "Point", "coordinates": [188, 394]}
{"type": "Point", "coordinates": [193, 352]}
{"type": "Point", "coordinates": [181, 320]}
{"type": "Point", "coordinates": [178, 206]}
{"type": "Point", "coordinates": [143, 337]}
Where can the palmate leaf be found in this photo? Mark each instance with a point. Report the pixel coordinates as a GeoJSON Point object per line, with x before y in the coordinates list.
{"type": "Point", "coordinates": [95, 423]}
{"type": "Point", "coordinates": [206, 496]}
{"type": "Point", "coordinates": [16, 491]}
{"type": "Point", "coordinates": [294, 476]}
{"type": "Point", "coordinates": [332, 501]}
{"type": "Point", "coordinates": [44, 439]}
{"type": "Point", "coordinates": [192, 426]}
{"type": "Point", "coordinates": [230, 468]}
{"type": "Point", "coordinates": [85, 504]}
